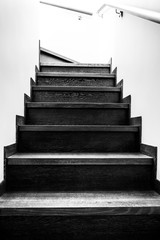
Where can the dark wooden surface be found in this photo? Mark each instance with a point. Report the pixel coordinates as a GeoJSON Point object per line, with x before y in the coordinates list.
{"type": "Point", "coordinates": [79, 171]}
{"type": "Point", "coordinates": [8, 151]}
{"type": "Point", "coordinates": [149, 150]}
{"type": "Point", "coordinates": [77, 114]}
{"type": "Point", "coordinates": [70, 140]}
{"type": "Point", "coordinates": [76, 65]}
{"type": "Point", "coordinates": [80, 227]}
{"type": "Point", "coordinates": [77, 80]}
{"type": "Point", "coordinates": [152, 151]}
{"type": "Point", "coordinates": [76, 88]}
{"type": "Point", "coordinates": [111, 215]}
{"type": "Point", "coordinates": [20, 120]}
{"type": "Point", "coordinates": [36, 72]}
{"type": "Point", "coordinates": [77, 68]}
{"type": "Point", "coordinates": [136, 121]}
{"type": "Point", "coordinates": [157, 186]}
{"type": "Point", "coordinates": [77, 105]}
{"type": "Point", "coordinates": [32, 84]}
{"type": "Point", "coordinates": [86, 203]}
{"type": "Point", "coordinates": [78, 128]}
{"type": "Point", "coordinates": [26, 100]}
{"type": "Point", "coordinates": [2, 187]}
{"type": "Point", "coordinates": [79, 177]}
{"type": "Point", "coordinates": [120, 85]}
{"type": "Point", "coordinates": [127, 99]}
{"type": "Point", "coordinates": [76, 94]}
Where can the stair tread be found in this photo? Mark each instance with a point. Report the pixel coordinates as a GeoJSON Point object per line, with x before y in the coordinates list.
{"type": "Point", "coordinates": [74, 65]}
{"type": "Point", "coordinates": [75, 88]}
{"type": "Point", "coordinates": [72, 74]}
{"type": "Point", "coordinates": [81, 155]}
{"type": "Point", "coordinates": [75, 105]}
{"type": "Point", "coordinates": [109, 128]}
{"type": "Point", "coordinates": [79, 159]}
{"type": "Point", "coordinates": [111, 203]}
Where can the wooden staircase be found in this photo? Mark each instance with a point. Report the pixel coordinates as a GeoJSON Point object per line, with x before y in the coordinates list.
{"type": "Point", "coordinates": [78, 169]}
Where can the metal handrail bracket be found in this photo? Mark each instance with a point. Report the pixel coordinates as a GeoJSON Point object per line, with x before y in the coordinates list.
{"type": "Point", "coordinates": [139, 12]}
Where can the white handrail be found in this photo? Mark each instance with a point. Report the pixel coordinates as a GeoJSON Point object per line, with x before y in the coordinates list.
{"type": "Point", "coordinates": [139, 12]}
{"type": "Point", "coordinates": [67, 8]}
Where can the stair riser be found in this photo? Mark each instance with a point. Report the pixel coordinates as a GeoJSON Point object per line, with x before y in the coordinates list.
{"type": "Point", "coordinates": [71, 69]}
{"type": "Point", "coordinates": [75, 81]}
{"type": "Point", "coordinates": [68, 96]}
{"type": "Point", "coordinates": [82, 116]}
{"type": "Point", "coordinates": [78, 178]}
{"type": "Point", "coordinates": [72, 141]}
{"type": "Point", "coordinates": [88, 227]}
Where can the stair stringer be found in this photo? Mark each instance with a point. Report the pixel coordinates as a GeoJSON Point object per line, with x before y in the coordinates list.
{"type": "Point", "coordinates": [152, 152]}
{"type": "Point", "coordinates": [49, 56]}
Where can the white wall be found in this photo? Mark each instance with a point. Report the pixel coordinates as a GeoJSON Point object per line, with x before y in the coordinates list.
{"type": "Point", "coordinates": [147, 4]}
{"type": "Point", "coordinates": [18, 57]}
{"type": "Point", "coordinates": [136, 53]}
{"type": "Point", "coordinates": [85, 40]}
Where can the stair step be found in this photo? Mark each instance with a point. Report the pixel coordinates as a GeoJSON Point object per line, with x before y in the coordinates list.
{"type": "Point", "coordinates": [76, 94]}
{"type": "Point", "coordinates": [79, 68]}
{"type": "Point", "coordinates": [83, 203]}
{"type": "Point", "coordinates": [84, 128]}
{"type": "Point", "coordinates": [79, 159]}
{"type": "Point", "coordinates": [49, 113]}
{"type": "Point", "coordinates": [87, 138]}
{"type": "Point", "coordinates": [76, 89]}
{"type": "Point", "coordinates": [76, 79]}
{"type": "Point", "coordinates": [79, 172]}
{"type": "Point", "coordinates": [80, 216]}
{"type": "Point", "coordinates": [77, 105]}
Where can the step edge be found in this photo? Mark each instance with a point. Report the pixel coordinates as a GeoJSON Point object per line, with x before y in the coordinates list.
{"type": "Point", "coordinates": [80, 105]}
{"type": "Point", "coordinates": [76, 89]}
{"type": "Point", "coordinates": [74, 65]}
{"type": "Point", "coordinates": [67, 155]}
{"type": "Point", "coordinates": [79, 162]}
{"type": "Point", "coordinates": [78, 75]}
{"type": "Point", "coordinates": [75, 128]}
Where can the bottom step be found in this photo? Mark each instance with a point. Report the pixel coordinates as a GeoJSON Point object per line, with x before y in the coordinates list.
{"type": "Point", "coordinates": [77, 216]}
{"type": "Point", "coordinates": [80, 203]}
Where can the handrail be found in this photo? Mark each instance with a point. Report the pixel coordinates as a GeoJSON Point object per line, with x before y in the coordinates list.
{"type": "Point", "coordinates": [139, 12]}
{"type": "Point", "coordinates": [67, 8]}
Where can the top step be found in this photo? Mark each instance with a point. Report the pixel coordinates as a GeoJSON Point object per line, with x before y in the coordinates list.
{"type": "Point", "coordinates": [75, 68]}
